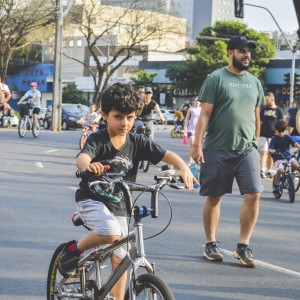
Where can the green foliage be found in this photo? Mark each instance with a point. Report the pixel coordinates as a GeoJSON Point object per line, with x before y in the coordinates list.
{"type": "Point", "coordinates": [210, 54]}
{"type": "Point", "coordinates": [143, 78]}
{"type": "Point", "coordinates": [70, 94]}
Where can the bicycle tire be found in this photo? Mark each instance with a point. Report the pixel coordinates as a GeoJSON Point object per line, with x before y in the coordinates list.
{"type": "Point", "coordinates": [278, 193]}
{"type": "Point", "coordinates": [73, 285]}
{"type": "Point", "coordinates": [173, 133]}
{"type": "Point", "coordinates": [290, 187]}
{"type": "Point", "coordinates": [148, 285]}
{"type": "Point", "coordinates": [82, 141]}
{"type": "Point", "coordinates": [22, 127]}
{"type": "Point", "coordinates": [181, 134]}
{"type": "Point", "coordinates": [146, 166]}
{"type": "Point", "coordinates": [37, 130]}
{"type": "Point", "coordinates": [296, 181]}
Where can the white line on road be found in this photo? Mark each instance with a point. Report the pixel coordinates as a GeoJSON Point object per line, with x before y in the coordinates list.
{"type": "Point", "coordinates": [39, 164]}
{"type": "Point", "coordinates": [53, 150]}
{"type": "Point", "coordinates": [72, 188]}
{"type": "Point", "coordinates": [269, 266]}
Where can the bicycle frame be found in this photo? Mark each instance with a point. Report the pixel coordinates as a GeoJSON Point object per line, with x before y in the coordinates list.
{"type": "Point", "coordinates": [90, 264]}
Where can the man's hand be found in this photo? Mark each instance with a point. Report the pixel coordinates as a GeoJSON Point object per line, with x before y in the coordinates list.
{"type": "Point", "coordinates": [197, 154]}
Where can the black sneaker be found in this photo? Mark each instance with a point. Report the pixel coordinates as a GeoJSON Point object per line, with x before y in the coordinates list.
{"type": "Point", "coordinates": [212, 252]}
{"type": "Point", "coordinates": [263, 174]}
{"type": "Point", "coordinates": [245, 256]}
{"type": "Point", "coordinates": [69, 259]}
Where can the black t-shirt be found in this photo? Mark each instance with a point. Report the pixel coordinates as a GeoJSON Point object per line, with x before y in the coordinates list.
{"type": "Point", "coordinates": [268, 117]}
{"type": "Point", "coordinates": [145, 115]}
{"type": "Point", "coordinates": [136, 148]}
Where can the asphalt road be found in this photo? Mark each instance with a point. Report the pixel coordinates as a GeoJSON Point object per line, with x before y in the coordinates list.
{"type": "Point", "coordinates": [37, 183]}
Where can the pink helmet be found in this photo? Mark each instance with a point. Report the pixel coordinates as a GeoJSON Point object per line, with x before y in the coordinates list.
{"type": "Point", "coordinates": [33, 84]}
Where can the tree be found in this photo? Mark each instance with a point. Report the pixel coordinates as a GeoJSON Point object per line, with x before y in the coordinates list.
{"type": "Point", "coordinates": [143, 78]}
{"type": "Point", "coordinates": [70, 94]}
{"type": "Point", "coordinates": [114, 34]}
{"type": "Point", "coordinates": [210, 54]}
{"type": "Point", "coordinates": [19, 19]}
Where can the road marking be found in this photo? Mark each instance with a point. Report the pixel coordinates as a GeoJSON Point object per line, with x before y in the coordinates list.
{"type": "Point", "coordinates": [53, 150]}
{"type": "Point", "coordinates": [72, 188]}
{"type": "Point", "coordinates": [269, 266]}
{"type": "Point", "coordinates": [39, 164]}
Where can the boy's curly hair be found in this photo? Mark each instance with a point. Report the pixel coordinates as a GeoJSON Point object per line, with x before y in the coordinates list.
{"type": "Point", "coordinates": [121, 97]}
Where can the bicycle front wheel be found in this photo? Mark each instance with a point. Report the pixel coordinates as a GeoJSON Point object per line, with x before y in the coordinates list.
{"type": "Point", "coordinates": [173, 133]}
{"type": "Point", "coordinates": [59, 288]}
{"type": "Point", "coordinates": [82, 141]}
{"type": "Point", "coordinates": [290, 187]}
{"type": "Point", "coordinates": [22, 127]}
{"type": "Point", "coordinates": [36, 130]}
{"type": "Point", "coordinates": [150, 286]}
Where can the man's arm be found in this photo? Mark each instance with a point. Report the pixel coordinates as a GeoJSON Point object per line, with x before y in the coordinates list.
{"type": "Point", "coordinates": [257, 122]}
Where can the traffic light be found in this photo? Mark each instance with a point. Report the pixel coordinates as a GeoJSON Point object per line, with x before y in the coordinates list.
{"type": "Point", "coordinates": [239, 8]}
{"type": "Point", "coordinates": [287, 78]}
{"type": "Point", "coordinates": [296, 79]}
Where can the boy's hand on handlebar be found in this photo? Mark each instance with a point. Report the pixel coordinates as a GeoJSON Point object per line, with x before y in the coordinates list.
{"type": "Point", "coordinates": [97, 167]}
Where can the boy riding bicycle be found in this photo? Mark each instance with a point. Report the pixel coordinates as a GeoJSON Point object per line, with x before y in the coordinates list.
{"type": "Point", "coordinates": [281, 143]}
{"type": "Point", "coordinates": [124, 150]}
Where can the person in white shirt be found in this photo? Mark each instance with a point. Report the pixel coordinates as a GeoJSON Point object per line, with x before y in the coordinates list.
{"type": "Point", "coordinates": [33, 99]}
{"type": "Point", "coordinates": [5, 96]}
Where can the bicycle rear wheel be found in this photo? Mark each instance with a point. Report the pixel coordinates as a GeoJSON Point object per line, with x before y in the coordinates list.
{"type": "Point", "coordinates": [150, 286]}
{"type": "Point", "coordinates": [290, 187]}
{"type": "Point", "coordinates": [37, 130]}
{"type": "Point", "coordinates": [22, 127]}
{"type": "Point", "coordinates": [296, 180]}
{"type": "Point", "coordinates": [59, 288]}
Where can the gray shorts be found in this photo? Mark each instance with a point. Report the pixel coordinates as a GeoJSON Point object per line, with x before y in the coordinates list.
{"type": "Point", "coordinates": [222, 167]}
{"type": "Point", "coordinates": [101, 221]}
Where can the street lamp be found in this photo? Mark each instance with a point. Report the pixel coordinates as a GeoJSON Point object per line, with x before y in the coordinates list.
{"type": "Point", "coordinates": [293, 50]}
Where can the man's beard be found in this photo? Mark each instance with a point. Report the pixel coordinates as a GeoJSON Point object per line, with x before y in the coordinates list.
{"type": "Point", "coordinates": [238, 65]}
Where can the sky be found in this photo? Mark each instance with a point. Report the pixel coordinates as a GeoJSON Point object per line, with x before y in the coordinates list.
{"type": "Point", "coordinates": [259, 19]}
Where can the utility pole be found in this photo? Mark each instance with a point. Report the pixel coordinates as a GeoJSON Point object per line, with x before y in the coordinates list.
{"type": "Point", "coordinates": [57, 80]}
{"type": "Point", "coordinates": [57, 86]}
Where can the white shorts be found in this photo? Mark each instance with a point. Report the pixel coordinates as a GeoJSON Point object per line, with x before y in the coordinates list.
{"type": "Point", "coordinates": [263, 143]}
{"type": "Point", "coordinates": [279, 164]}
{"type": "Point", "coordinates": [101, 221]}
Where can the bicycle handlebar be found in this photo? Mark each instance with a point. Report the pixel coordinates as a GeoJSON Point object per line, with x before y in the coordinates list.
{"type": "Point", "coordinates": [110, 179]}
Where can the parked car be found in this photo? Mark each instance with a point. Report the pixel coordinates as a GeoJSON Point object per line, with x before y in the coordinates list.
{"type": "Point", "coordinates": [70, 115]}
{"type": "Point", "coordinates": [168, 114]}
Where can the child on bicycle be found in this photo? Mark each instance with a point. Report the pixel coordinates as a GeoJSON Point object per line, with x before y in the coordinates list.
{"type": "Point", "coordinates": [91, 118]}
{"type": "Point", "coordinates": [280, 150]}
{"type": "Point", "coordinates": [124, 150]}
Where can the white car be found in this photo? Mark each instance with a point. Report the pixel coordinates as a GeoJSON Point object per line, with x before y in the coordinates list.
{"type": "Point", "coordinates": [168, 114]}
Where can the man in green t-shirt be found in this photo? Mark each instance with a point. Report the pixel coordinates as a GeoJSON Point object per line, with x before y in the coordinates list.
{"type": "Point", "coordinates": [230, 99]}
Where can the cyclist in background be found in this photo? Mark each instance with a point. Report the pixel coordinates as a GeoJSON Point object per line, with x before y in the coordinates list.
{"type": "Point", "coordinates": [145, 115]}
{"type": "Point", "coordinates": [91, 118]}
{"type": "Point", "coordinates": [105, 216]}
{"type": "Point", "coordinates": [5, 96]}
{"type": "Point", "coordinates": [33, 99]}
{"type": "Point", "coordinates": [282, 142]}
